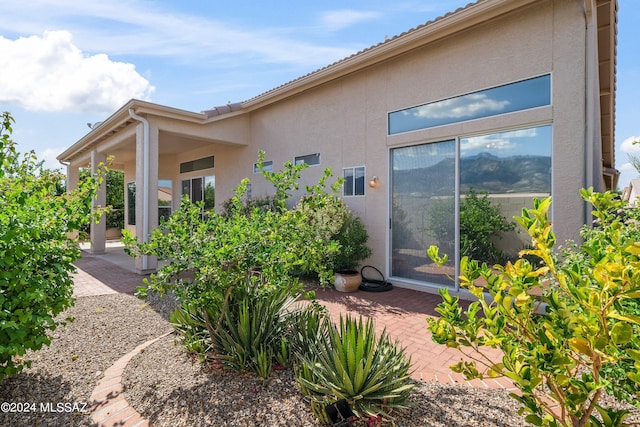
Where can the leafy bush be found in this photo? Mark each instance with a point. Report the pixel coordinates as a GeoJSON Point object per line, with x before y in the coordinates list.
{"type": "Point", "coordinates": [326, 213]}
{"type": "Point", "coordinates": [114, 183]}
{"type": "Point", "coordinates": [237, 269]}
{"type": "Point", "coordinates": [371, 374]}
{"type": "Point", "coordinates": [564, 348]}
{"type": "Point", "coordinates": [481, 223]}
{"type": "Point", "coordinates": [250, 204]}
{"type": "Point", "coordinates": [624, 224]}
{"type": "Point", "coordinates": [35, 253]}
{"type": "Point", "coordinates": [352, 238]}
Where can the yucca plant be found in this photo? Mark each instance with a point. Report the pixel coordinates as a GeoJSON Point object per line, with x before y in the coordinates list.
{"type": "Point", "coordinates": [306, 327]}
{"type": "Point", "coordinates": [370, 373]}
{"type": "Point", "coordinates": [251, 328]}
{"type": "Point", "coordinates": [189, 322]}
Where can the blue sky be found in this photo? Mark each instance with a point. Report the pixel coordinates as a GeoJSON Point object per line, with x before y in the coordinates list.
{"type": "Point", "coordinates": [66, 63]}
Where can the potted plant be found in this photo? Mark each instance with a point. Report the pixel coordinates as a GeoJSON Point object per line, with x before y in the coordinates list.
{"type": "Point", "coordinates": [352, 238]}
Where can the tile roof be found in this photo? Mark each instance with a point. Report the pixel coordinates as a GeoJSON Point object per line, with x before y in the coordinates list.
{"type": "Point", "coordinates": [368, 49]}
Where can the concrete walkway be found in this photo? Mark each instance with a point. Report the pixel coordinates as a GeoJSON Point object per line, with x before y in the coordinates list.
{"type": "Point", "coordinates": [401, 312]}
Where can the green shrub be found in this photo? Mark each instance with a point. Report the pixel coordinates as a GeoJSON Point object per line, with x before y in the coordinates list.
{"type": "Point", "coordinates": [481, 223]}
{"type": "Point", "coordinates": [250, 204]}
{"type": "Point", "coordinates": [115, 218]}
{"type": "Point", "coordinates": [114, 187]}
{"type": "Point", "coordinates": [351, 363]}
{"type": "Point", "coordinates": [566, 346]}
{"type": "Point", "coordinates": [352, 238]}
{"type": "Point", "coordinates": [240, 267]}
{"type": "Point", "coordinates": [623, 224]}
{"type": "Point", "coordinates": [326, 213]}
{"type": "Point", "coordinates": [35, 253]}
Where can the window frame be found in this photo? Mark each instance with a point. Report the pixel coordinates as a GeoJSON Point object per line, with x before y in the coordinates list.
{"type": "Point", "coordinates": [396, 127]}
{"type": "Point", "coordinates": [131, 203]}
{"type": "Point", "coordinates": [267, 166]}
{"type": "Point", "coordinates": [354, 184]}
{"type": "Point", "coordinates": [302, 159]}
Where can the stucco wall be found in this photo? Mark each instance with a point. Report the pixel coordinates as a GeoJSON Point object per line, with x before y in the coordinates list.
{"type": "Point", "coordinates": [346, 120]}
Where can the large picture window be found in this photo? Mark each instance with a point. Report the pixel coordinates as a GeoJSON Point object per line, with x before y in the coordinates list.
{"type": "Point", "coordinates": [522, 95]}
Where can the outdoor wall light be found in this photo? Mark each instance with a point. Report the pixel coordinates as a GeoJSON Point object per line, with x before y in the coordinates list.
{"type": "Point", "coordinates": [373, 182]}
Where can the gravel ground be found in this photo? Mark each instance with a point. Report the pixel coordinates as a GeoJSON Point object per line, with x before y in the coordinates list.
{"type": "Point", "coordinates": [170, 388]}
{"type": "Point", "coordinates": [105, 328]}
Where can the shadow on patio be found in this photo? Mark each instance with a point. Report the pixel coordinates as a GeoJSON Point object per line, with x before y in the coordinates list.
{"type": "Point", "coordinates": [401, 312]}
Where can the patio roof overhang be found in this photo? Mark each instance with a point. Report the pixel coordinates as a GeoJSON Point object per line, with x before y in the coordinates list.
{"type": "Point", "coordinates": [177, 128]}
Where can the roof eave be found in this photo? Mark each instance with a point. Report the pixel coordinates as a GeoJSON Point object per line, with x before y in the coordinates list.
{"type": "Point", "coordinates": [121, 118]}
{"type": "Point", "coordinates": [461, 19]}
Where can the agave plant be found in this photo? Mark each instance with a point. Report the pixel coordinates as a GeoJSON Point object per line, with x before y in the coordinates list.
{"type": "Point", "coordinates": [371, 373]}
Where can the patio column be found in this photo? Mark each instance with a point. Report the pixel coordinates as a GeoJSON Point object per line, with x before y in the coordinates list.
{"type": "Point", "coordinates": [147, 135]}
{"type": "Point", "coordinates": [73, 177]}
{"type": "Point", "coordinates": [98, 230]}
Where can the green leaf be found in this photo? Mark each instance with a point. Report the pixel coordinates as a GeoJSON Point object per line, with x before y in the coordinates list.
{"type": "Point", "coordinates": [621, 333]}
{"type": "Point", "coordinates": [634, 354]}
{"type": "Point", "coordinates": [533, 419]}
{"type": "Point", "coordinates": [581, 345]}
{"type": "Point", "coordinates": [631, 294]}
{"type": "Point", "coordinates": [631, 318]}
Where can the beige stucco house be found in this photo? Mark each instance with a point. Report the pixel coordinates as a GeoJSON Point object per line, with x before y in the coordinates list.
{"type": "Point", "coordinates": [514, 98]}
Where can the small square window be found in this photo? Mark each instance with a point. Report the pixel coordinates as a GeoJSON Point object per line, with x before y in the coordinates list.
{"type": "Point", "coordinates": [310, 159]}
{"type": "Point", "coordinates": [267, 166]}
{"type": "Point", "coordinates": [353, 181]}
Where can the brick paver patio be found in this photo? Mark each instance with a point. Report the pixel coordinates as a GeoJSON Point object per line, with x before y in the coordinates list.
{"type": "Point", "coordinates": [402, 312]}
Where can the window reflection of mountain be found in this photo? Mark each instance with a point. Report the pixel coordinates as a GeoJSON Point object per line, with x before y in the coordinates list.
{"type": "Point", "coordinates": [484, 172]}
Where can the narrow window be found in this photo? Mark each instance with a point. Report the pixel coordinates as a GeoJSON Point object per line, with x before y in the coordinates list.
{"type": "Point", "coordinates": [165, 197]}
{"type": "Point", "coordinates": [196, 165]}
{"type": "Point", "coordinates": [267, 166]}
{"type": "Point", "coordinates": [518, 96]}
{"type": "Point", "coordinates": [310, 159]}
{"type": "Point", "coordinates": [131, 203]}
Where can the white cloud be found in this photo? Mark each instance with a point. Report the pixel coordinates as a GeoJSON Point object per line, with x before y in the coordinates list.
{"type": "Point", "coordinates": [335, 20]}
{"type": "Point", "coordinates": [50, 73]}
{"type": "Point", "coordinates": [48, 156]}
{"type": "Point", "coordinates": [460, 107]}
{"type": "Point", "coordinates": [629, 147]}
{"type": "Point", "coordinates": [138, 27]}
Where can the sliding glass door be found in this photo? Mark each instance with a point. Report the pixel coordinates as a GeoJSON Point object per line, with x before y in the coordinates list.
{"type": "Point", "coordinates": [423, 211]}
{"type": "Point", "coordinates": [456, 198]}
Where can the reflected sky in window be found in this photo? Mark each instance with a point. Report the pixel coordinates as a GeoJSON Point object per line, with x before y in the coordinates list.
{"type": "Point", "coordinates": [523, 142]}
{"type": "Point", "coordinates": [531, 93]}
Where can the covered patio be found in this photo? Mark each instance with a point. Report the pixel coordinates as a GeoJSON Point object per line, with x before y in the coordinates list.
{"type": "Point", "coordinates": [150, 143]}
